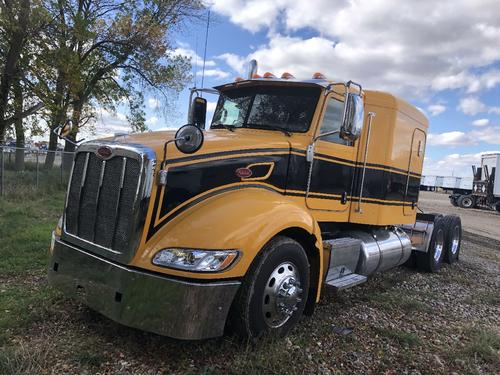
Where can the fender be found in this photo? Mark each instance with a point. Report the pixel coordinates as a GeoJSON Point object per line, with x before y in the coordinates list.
{"type": "Point", "coordinates": [244, 219]}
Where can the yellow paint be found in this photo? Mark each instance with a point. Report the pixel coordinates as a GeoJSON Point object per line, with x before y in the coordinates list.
{"type": "Point", "coordinates": [247, 219]}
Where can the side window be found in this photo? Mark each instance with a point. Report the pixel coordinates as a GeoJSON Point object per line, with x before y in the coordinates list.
{"type": "Point", "coordinates": [332, 121]}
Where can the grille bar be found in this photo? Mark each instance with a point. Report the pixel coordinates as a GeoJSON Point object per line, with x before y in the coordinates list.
{"type": "Point", "coordinates": [106, 197]}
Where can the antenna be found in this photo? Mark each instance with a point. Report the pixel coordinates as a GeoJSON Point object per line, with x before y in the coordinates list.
{"type": "Point", "coordinates": [205, 51]}
{"type": "Point", "coordinates": [195, 67]}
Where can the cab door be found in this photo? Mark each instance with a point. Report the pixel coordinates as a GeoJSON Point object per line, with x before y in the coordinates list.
{"type": "Point", "coordinates": [332, 169]}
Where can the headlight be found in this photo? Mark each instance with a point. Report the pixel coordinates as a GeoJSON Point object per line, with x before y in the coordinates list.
{"type": "Point", "coordinates": [58, 230]}
{"type": "Point", "coordinates": [195, 259]}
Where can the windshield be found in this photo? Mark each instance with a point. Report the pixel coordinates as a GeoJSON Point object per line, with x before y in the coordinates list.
{"type": "Point", "coordinates": [261, 107]}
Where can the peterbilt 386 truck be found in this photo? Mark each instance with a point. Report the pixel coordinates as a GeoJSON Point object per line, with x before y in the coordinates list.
{"type": "Point", "coordinates": [295, 186]}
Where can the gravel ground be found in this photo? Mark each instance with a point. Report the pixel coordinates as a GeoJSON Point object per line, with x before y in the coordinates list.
{"type": "Point", "coordinates": [401, 321]}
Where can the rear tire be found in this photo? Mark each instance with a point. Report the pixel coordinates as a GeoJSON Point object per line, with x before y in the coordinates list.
{"type": "Point", "coordinates": [273, 295]}
{"type": "Point", "coordinates": [453, 201]}
{"type": "Point", "coordinates": [466, 201]}
{"type": "Point", "coordinates": [432, 259]}
{"type": "Point", "coordinates": [497, 207]}
{"type": "Point", "coordinates": [452, 238]}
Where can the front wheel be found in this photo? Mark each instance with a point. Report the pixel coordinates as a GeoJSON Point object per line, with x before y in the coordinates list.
{"type": "Point", "coordinates": [273, 295]}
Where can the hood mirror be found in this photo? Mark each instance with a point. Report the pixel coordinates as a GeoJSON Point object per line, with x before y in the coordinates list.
{"type": "Point", "coordinates": [64, 131]}
{"type": "Point", "coordinates": [189, 139]}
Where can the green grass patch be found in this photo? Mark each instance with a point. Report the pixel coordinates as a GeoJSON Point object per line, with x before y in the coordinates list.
{"type": "Point", "coordinates": [401, 337]}
{"type": "Point", "coordinates": [392, 299]}
{"type": "Point", "coordinates": [23, 360]}
{"type": "Point", "coordinates": [484, 344]}
{"type": "Point", "coordinates": [22, 305]}
{"type": "Point", "coordinates": [25, 230]}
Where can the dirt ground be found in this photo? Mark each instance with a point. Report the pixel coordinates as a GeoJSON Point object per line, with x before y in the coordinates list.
{"type": "Point", "coordinates": [477, 221]}
{"type": "Point", "coordinates": [399, 322]}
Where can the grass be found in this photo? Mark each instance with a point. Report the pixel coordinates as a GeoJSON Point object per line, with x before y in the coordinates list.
{"type": "Point", "coordinates": [25, 228]}
{"type": "Point", "coordinates": [483, 344]}
{"type": "Point", "coordinates": [401, 337]}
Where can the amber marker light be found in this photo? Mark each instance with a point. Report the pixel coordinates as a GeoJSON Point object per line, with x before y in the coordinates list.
{"type": "Point", "coordinates": [238, 79]}
{"type": "Point", "coordinates": [256, 76]}
{"type": "Point", "coordinates": [269, 75]}
{"type": "Point", "coordinates": [287, 75]}
{"type": "Point", "coordinates": [318, 75]}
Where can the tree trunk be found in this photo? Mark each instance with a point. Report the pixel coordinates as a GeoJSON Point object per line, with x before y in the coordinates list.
{"type": "Point", "coordinates": [57, 118]}
{"type": "Point", "coordinates": [18, 125]}
{"type": "Point", "coordinates": [15, 45]}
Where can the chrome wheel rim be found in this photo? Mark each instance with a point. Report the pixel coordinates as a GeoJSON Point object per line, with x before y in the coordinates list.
{"type": "Point", "coordinates": [282, 295]}
{"type": "Point", "coordinates": [455, 240]}
{"type": "Point", "coordinates": [467, 202]}
{"type": "Point", "coordinates": [438, 245]}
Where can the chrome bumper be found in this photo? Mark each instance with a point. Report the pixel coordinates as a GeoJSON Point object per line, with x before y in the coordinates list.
{"type": "Point", "coordinates": [174, 308]}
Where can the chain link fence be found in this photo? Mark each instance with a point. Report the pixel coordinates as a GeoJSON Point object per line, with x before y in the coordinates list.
{"type": "Point", "coordinates": [25, 171]}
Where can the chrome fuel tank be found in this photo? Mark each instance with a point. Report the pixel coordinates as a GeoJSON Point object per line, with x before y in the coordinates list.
{"type": "Point", "coordinates": [381, 249]}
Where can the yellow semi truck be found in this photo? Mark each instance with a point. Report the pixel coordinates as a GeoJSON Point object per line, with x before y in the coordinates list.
{"type": "Point", "coordinates": [296, 185]}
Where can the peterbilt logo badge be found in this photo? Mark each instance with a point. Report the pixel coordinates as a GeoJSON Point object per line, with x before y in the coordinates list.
{"type": "Point", "coordinates": [244, 172]}
{"type": "Point", "coordinates": [104, 151]}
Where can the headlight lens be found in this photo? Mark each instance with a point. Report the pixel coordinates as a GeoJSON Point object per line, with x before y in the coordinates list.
{"type": "Point", "coordinates": [195, 259]}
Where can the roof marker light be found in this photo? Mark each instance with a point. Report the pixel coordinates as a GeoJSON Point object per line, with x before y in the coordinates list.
{"type": "Point", "coordinates": [287, 75]}
{"type": "Point", "coordinates": [318, 75]}
{"type": "Point", "coordinates": [269, 75]}
{"type": "Point", "coordinates": [255, 76]}
{"type": "Point", "coordinates": [238, 79]}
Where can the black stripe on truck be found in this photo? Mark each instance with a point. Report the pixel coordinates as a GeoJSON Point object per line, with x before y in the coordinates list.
{"type": "Point", "coordinates": [290, 172]}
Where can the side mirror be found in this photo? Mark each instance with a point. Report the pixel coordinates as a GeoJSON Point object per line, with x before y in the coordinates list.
{"type": "Point", "coordinates": [352, 122]}
{"type": "Point", "coordinates": [199, 112]}
{"type": "Point", "coordinates": [189, 139]}
{"type": "Point", "coordinates": [65, 130]}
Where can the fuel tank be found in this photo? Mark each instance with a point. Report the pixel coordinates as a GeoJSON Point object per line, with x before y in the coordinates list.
{"type": "Point", "coordinates": [364, 252]}
{"type": "Point", "coordinates": [381, 249]}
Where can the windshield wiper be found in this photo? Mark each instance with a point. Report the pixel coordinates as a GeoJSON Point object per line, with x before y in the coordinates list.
{"type": "Point", "coordinates": [272, 127]}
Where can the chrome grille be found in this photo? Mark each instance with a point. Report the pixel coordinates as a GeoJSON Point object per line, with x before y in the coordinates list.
{"type": "Point", "coordinates": [107, 199]}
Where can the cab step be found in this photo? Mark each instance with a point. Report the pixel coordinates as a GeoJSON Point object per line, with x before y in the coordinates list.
{"type": "Point", "coordinates": [347, 281]}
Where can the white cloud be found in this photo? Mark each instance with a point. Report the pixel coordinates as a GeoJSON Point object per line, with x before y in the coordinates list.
{"type": "Point", "coordinates": [152, 121]}
{"type": "Point", "coordinates": [481, 122]}
{"type": "Point", "coordinates": [186, 51]}
{"type": "Point", "coordinates": [405, 47]}
{"type": "Point", "coordinates": [216, 73]}
{"type": "Point", "coordinates": [453, 164]}
{"type": "Point", "coordinates": [489, 135]}
{"type": "Point", "coordinates": [107, 124]}
{"type": "Point", "coordinates": [471, 105]}
{"type": "Point", "coordinates": [211, 106]}
{"type": "Point", "coordinates": [454, 138]}
{"type": "Point", "coordinates": [235, 62]}
{"type": "Point", "coordinates": [436, 109]}
{"type": "Point", "coordinates": [153, 103]}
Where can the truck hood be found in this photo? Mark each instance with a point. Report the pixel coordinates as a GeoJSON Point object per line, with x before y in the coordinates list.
{"type": "Point", "coordinates": [216, 141]}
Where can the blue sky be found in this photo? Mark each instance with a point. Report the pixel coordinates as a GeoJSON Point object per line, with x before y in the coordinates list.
{"type": "Point", "coordinates": [443, 57]}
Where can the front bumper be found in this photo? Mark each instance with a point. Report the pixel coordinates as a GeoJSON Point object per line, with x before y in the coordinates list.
{"type": "Point", "coordinates": [174, 308]}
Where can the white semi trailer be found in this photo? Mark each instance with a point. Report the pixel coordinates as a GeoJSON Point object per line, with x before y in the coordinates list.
{"type": "Point", "coordinates": [485, 189]}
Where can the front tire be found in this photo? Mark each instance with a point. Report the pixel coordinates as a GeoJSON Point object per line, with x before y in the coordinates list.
{"type": "Point", "coordinates": [432, 259]}
{"type": "Point", "coordinates": [273, 295]}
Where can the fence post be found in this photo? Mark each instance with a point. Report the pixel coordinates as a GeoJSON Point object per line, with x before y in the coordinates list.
{"type": "Point", "coordinates": [37, 169]}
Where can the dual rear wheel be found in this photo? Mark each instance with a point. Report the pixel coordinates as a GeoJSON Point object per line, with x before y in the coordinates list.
{"type": "Point", "coordinates": [444, 245]}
